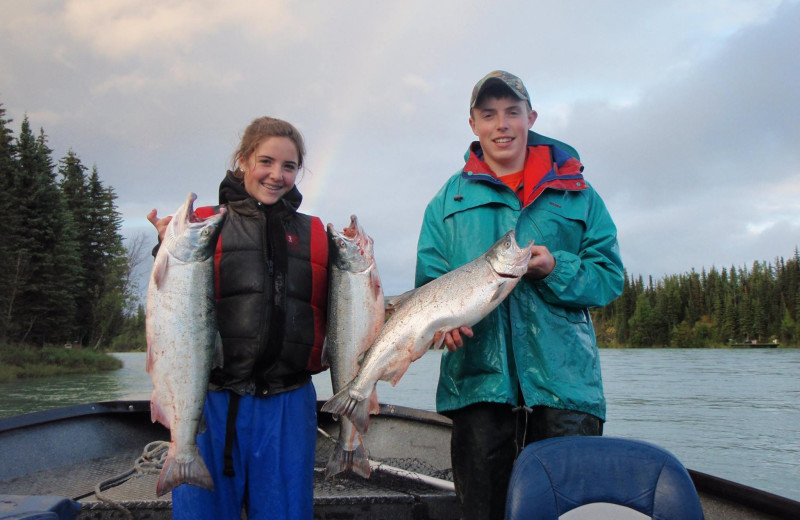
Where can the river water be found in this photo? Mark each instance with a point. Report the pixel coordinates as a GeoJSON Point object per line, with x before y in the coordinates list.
{"type": "Point", "coordinates": [732, 413]}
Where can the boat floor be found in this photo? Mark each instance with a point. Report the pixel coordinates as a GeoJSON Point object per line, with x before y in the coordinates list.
{"type": "Point", "coordinates": [343, 496]}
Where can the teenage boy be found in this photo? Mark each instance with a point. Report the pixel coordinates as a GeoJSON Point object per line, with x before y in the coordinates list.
{"type": "Point", "coordinates": [530, 370]}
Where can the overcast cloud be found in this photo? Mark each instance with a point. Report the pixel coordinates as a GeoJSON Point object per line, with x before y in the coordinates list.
{"type": "Point", "coordinates": [685, 113]}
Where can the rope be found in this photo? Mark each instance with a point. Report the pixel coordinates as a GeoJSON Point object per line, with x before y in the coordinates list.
{"type": "Point", "coordinates": [151, 461]}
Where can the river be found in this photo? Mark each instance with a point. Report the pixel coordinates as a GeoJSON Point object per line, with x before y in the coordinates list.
{"type": "Point", "coordinates": [732, 413]}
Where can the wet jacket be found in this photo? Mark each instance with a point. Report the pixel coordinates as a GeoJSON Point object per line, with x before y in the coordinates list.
{"type": "Point", "coordinates": [540, 340]}
{"type": "Point", "coordinates": [271, 293]}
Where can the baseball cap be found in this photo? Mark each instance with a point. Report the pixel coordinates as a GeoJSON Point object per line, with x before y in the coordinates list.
{"type": "Point", "coordinates": [500, 76]}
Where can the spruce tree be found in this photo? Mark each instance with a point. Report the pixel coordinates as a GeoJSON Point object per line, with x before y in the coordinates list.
{"type": "Point", "coordinates": [75, 190]}
{"type": "Point", "coordinates": [46, 304]}
{"type": "Point", "coordinates": [9, 257]}
{"type": "Point", "coordinates": [111, 281]}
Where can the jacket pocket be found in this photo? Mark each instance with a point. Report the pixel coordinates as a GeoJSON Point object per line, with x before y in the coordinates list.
{"type": "Point", "coordinates": [572, 315]}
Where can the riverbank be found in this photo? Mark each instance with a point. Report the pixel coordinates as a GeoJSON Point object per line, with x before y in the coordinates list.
{"type": "Point", "coordinates": [27, 361]}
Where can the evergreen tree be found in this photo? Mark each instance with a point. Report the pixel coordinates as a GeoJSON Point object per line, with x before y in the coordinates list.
{"type": "Point", "coordinates": [10, 256]}
{"type": "Point", "coordinates": [110, 289]}
{"type": "Point", "coordinates": [75, 190]}
{"type": "Point", "coordinates": [45, 309]}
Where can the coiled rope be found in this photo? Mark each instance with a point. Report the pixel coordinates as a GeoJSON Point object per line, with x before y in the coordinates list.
{"type": "Point", "coordinates": [151, 461]}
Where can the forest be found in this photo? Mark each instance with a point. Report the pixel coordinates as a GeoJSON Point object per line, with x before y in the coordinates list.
{"type": "Point", "coordinates": [706, 309]}
{"type": "Point", "coordinates": [67, 275]}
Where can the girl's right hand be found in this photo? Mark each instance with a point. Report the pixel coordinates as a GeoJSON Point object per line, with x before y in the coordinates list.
{"type": "Point", "coordinates": [159, 223]}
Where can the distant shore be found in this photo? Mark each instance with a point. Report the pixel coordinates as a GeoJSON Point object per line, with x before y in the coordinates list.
{"type": "Point", "coordinates": [26, 361]}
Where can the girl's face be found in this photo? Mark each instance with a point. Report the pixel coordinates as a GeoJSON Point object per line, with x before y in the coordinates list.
{"type": "Point", "coordinates": [271, 170]}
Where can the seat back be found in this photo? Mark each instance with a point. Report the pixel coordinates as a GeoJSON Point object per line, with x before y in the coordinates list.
{"type": "Point", "coordinates": [572, 478]}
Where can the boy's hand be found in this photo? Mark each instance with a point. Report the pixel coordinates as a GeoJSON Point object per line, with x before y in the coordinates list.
{"type": "Point", "coordinates": [453, 339]}
{"type": "Point", "coordinates": [541, 263]}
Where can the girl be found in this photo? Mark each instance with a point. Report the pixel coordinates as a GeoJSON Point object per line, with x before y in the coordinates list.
{"type": "Point", "coordinates": [271, 299]}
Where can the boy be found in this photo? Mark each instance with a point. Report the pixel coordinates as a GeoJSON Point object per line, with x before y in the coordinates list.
{"type": "Point", "coordinates": [530, 370]}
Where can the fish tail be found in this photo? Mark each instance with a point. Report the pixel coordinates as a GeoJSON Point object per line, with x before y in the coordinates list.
{"type": "Point", "coordinates": [357, 410]}
{"type": "Point", "coordinates": [175, 473]}
{"type": "Point", "coordinates": [341, 460]}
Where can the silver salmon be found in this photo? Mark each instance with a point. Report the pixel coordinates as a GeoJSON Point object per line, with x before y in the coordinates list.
{"type": "Point", "coordinates": [181, 333]}
{"type": "Point", "coordinates": [355, 315]}
{"type": "Point", "coordinates": [463, 296]}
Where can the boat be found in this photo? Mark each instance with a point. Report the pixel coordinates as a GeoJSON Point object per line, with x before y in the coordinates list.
{"type": "Point", "coordinates": [754, 344]}
{"type": "Point", "coordinates": [97, 454]}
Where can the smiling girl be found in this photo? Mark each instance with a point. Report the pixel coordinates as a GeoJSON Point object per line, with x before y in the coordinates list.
{"type": "Point", "coordinates": [271, 301]}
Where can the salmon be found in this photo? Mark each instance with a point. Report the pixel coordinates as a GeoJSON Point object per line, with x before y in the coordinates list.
{"type": "Point", "coordinates": [463, 296]}
{"type": "Point", "coordinates": [181, 335]}
{"type": "Point", "coordinates": [355, 316]}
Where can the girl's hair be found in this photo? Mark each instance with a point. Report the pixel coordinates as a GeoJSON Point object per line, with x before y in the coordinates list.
{"type": "Point", "coordinates": [260, 129]}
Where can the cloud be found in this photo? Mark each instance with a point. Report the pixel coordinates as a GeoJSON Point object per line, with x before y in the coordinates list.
{"type": "Point", "coordinates": [684, 112]}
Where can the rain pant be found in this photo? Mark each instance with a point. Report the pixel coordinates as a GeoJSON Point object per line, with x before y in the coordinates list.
{"type": "Point", "coordinates": [273, 459]}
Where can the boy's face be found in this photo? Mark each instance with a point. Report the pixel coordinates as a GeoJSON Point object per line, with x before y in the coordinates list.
{"type": "Point", "coordinates": [501, 125]}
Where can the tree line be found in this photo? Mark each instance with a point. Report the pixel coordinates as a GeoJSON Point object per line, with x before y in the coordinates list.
{"type": "Point", "coordinates": [66, 275]}
{"type": "Point", "coordinates": [707, 309]}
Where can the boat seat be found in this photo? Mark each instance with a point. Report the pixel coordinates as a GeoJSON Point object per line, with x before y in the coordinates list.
{"type": "Point", "coordinates": [37, 507]}
{"type": "Point", "coordinates": [572, 478]}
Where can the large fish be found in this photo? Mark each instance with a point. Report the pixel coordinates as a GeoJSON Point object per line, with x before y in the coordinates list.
{"type": "Point", "coordinates": [463, 296]}
{"type": "Point", "coordinates": [181, 334]}
{"type": "Point", "coordinates": [355, 315]}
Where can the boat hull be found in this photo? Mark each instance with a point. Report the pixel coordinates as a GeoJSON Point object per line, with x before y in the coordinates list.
{"type": "Point", "coordinates": [72, 451]}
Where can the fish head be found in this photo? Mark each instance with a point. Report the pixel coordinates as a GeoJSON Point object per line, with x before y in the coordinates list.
{"type": "Point", "coordinates": [190, 238]}
{"type": "Point", "coordinates": [507, 258]}
{"type": "Point", "coordinates": [351, 249]}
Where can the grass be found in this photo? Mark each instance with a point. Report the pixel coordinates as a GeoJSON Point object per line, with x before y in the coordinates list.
{"type": "Point", "coordinates": [26, 361]}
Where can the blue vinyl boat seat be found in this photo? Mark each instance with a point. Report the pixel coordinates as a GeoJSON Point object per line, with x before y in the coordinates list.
{"type": "Point", "coordinates": [41, 507]}
{"type": "Point", "coordinates": [575, 478]}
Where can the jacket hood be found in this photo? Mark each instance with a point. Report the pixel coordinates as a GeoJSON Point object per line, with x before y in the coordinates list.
{"type": "Point", "coordinates": [231, 189]}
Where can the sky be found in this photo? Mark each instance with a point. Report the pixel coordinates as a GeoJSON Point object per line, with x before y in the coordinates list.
{"type": "Point", "coordinates": [686, 114]}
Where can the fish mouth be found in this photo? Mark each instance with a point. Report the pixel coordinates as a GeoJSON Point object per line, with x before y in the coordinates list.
{"type": "Point", "coordinates": [188, 216]}
{"type": "Point", "coordinates": [353, 233]}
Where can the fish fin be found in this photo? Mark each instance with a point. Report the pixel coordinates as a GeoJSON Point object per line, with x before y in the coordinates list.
{"type": "Point", "coordinates": [160, 270]}
{"type": "Point", "coordinates": [394, 376]}
{"type": "Point", "coordinates": [440, 343]}
{"type": "Point", "coordinates": [150, 359]}
{"type": "Point", "coordinates": [392, 303]}
{"type": "Point", "coordinates": [325, 359]}
{"type": "Point", "coordinates": [498, 293]}
{"type": "Point", "coordinates": [175, 473]}
{"type": "Point", "coordinates": [375, 284]}
{"type": "Point", "coordinates": [374, 405]}
{"type": "Point", "coordinates": [356, 461]}
{"type": "Point", "coordinates": [357, 410]}
{"type": "Point", "coordinates": [157, 413]}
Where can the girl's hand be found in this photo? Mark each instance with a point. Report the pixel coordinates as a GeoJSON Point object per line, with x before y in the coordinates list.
{"type": "Point", "coordinates": [159, 223]}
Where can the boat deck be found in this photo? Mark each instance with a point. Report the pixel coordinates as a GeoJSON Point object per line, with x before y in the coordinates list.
{"type": "Point", "coordinates": [345, 496]}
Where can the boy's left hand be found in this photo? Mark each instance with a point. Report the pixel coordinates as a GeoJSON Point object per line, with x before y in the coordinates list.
{"type": "Point", "coordinates": [541, 263]}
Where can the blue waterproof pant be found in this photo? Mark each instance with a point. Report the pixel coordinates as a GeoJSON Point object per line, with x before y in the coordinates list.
{"type": "Point", "coordinates": [273, 458]}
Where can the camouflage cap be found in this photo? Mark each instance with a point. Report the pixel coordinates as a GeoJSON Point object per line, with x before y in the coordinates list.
{"type": "Point", "coordinates": [507, 79]}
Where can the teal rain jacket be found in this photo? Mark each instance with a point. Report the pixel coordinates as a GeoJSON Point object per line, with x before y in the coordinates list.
{"type": "Point", "coordinates": [540, 339]}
